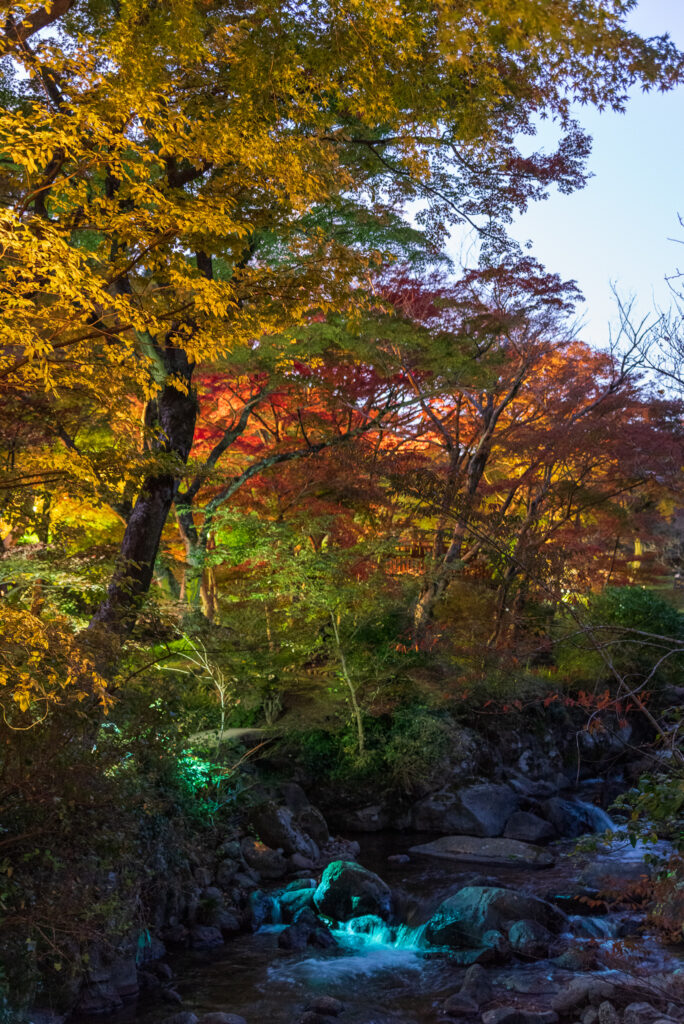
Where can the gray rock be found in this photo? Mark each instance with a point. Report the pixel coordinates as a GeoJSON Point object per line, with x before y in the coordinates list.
{"type": "Point", "coordinates": [348, 890]}
{"type": "Point", "coordinates": [306, 930]}
{"type": "Point", "coordinates": [480, 810]}
{"type": "Point", "coordinates": [230, 849]}
{"type": "Point", "coordinates": [311, 821]}
{"type": "Point", "coordinates": [590, 1015]}
{"type": "Point", "coordinates": [496, 941]}
{"type": "Point", "coordinates": [364, 819]}
{"type": "Point", "coordinates": [485, 851]}
{"type": "Point", "coordinates": [460, 1005]}
{"type": "Point", "coordinates": [247, 879]}
{"type": "Point", "coordinates": [226, 872]}
{"type": "Point", "coordinates": [641, 1013]}
{"type": "Point", "coordinates": [477, 985]}
{"type": "Point", "coordinates": [154, 949]}
{"type": "Point", "coordinates": [399, 858]}
{"type": "Point", "coordinates": [327, 1006]}
{"type": "Point", "coordinates": [163, 971]}
{"type": "Point", "coordinates": [530, 939]}
{"type": "Point", "coordinates": [463, 920]}
{"type": "Point", "coordinates": [298, 862]}
{"type": "Point", "coordinates": [580, 991]}
{"type": "Point", "coordinates": [528, 983]}
{"type": "Point", "coordinates": [607, 1014]}
{"type": "Point", "coordinates": [204, 936]}
{"type": "Point", "coordinates": [294, 796]}
{"type": "Point", "coordinates": [577, 959]}
{"type": "Point", "coordinates": [531, 788]}
{"type": "Point", "coordinates": [268, 862]}
{"type": "Point", "coordinates": [221, 1018]}
{"type": "Point", "coordinates": [340, 849]}
{"type": "Point", "coordinates": [108, 983]}
{"type": "Point", "coordinates": [277, 828]}
{"type": "Point", "coordinates": [514, 1015]}
{"type": "Point", "coordinates": [262, 908]}
{"type": "Point", "coordinates": [228, 922]}
{"type": "Point", "coordinates": [529, 828]}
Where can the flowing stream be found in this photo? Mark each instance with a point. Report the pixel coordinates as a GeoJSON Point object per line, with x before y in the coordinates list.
{"type": "Point", "coordinates": [389, 974]}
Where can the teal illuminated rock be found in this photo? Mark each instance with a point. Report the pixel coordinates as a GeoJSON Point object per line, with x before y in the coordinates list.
{"type": "Point", "coordinates": [348, 890]}
{"type": "Point", "coordinates": [473, 914]}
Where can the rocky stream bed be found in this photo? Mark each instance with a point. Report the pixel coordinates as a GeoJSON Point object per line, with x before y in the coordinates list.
{"type": "Point", "coordinates": [468, 903]}
{"type": "Point", "coordinates": [404, 928]}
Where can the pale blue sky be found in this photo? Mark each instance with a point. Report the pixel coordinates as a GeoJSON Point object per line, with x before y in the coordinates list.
{"type": "Point", "coordinates": [618, 227]}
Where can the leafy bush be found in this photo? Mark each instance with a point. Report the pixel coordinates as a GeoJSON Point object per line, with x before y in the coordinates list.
{"type": "Point", "coordinates": [416, 744]}
{"type": "Point", "coordinates": [631, 627]}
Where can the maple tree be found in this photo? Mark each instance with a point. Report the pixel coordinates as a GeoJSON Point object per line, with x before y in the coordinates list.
{"type": "Point", "coordinates": [176, 181]}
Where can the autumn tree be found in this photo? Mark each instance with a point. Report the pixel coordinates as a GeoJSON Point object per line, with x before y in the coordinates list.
{"type": "Point", "coordinates": [176, 180]}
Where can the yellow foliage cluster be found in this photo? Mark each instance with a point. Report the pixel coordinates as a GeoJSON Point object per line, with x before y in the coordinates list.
{"type": "Point", "coordinates": [42, 667]}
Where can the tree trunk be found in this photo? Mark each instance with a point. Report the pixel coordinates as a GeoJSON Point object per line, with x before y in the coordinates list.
{"type": "Point", "coordinates": [170, 417]}
{"type": "Point", "coordinates": [436, 584]}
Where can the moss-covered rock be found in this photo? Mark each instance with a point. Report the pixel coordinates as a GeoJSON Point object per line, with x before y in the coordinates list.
{"type": "Point", "coordinates": [348, 890]}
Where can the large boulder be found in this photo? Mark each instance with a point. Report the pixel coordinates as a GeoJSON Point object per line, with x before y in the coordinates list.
{"type": "Point", "coordinates": [467, 918]}
{"type": "Point", "coordinates": [276, 827]}
{"type": "Point", "coordinates": [530, 939]}
{"type": "Point", "coordinates": [479, 810]}
{"type": "Point", "coordinates": [268, 862]}
{"type": "Point", "coordinates": [485, 851]}
{"type": "Point", "coordinates": [529, 828]}
{"type": "Point", "coordinates": [348, 890]}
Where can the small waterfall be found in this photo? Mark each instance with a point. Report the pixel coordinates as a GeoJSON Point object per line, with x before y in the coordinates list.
{"type": "Point", "coordinates": [594, 927]}
{"type": "Point", "coordinates": [597, 819]}
{"type": "Point", "coordinates": [373, 931]}
{"type": "Point", "coordinates": [276, 913]}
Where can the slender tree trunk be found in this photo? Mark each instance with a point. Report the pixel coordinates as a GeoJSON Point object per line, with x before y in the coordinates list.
{"type": "Point", "coordinates": [171, 419]}
{"type": "Point", "coordinates": [436, 584]}
{"type": "Point", "coordinates": [360, 733]}
{"type": "Point", "coordinates": [166, 580]}
{"type": "Point", "coordinates": [199, 593]}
